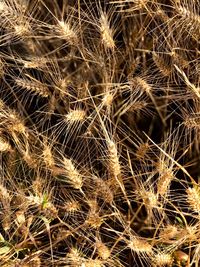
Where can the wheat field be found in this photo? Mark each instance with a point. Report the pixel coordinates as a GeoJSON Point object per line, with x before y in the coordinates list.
{"type": "Point", "coordinates": [99, 133]}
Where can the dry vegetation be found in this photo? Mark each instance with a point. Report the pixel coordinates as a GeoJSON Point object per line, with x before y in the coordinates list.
{"type": "Point", "coordinates": [99, 133]}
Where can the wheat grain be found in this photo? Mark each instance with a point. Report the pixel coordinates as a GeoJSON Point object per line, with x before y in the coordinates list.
{"type": "Point", "coordinates": [114, 164]}
{"type": "Point", "coordinates": [193, 198]}
{"type": "Point", "coordinates": [33, 86]}
{"type": "Point", "coordinates": [92, 263]}
{"type": "Point", "coordinates": [48, 157]}
{"type": "Point", "coordinates": [163, 259]}
{"type": "Point", "coordinates": [77, 115]}
{"type": "Point", "coordinates": [140, 245]}
{"type": "Point", "coordinates": [164, 181]}
{"type": "Point", "coordinates": [4, 145]}
{"type": "Point", "coordinates": [143, 85]}
{"type": "Point", "coordinates": [75, 178]}
{"type": "Point", "coordinates": [189, 15]}
{"type": "Point", "coordinates": [162, 65]}
{"type": "Point", "coordinates": [103, 250]}
{"type": "Point", "coordinates": [71, 206]}
{"type": "Point", "coordinates": [106, 32]}
{"type": "Point", "coordinates": [67, 32]}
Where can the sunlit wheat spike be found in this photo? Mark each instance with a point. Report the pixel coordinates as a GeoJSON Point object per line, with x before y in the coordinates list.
{"type": "Point", "coordinates": [48, 157]}
{"type": "Point", "coordinates": [143, 85]}
{"type": "Point", "coordinates": [188, 15]}
{"type": "Point", "coordinates": [49, 210]}
{"type": "Point", "coordinates": [180, 60]}
{"type": "Point", "coordinates": [22, 29]}
{"type": "Point", "coordinates": [34, 62]}
{"type": "Point", "coordinates": [150, 199]}
{"type": "Point", "coordinates": [163, 259]}
{"type": "Point", "coordinates": [94, 220]}
{"type": "Point", "coordinates": [75, 178]}
{"type": "Point", "coordinates": [103, 250]}
{"type": "Point", "coordinates": [103, 190]}
{"type": "Point", "coordinates": [66, 31]}
{"type": "Point", "coordinates": [193, 198]}
{"type": "Point", "coordinates": [192, 121]}
{"type": "Point", "coordinates": [16, 123]}
{"type": "Point", "coordinates": [76, 115]}
{"type": "Point", "coordinates": [139, 245]}
{"type": "Point", "coordinates": [107, 99]}
{"type": "Point", "coordinates": [114, 163]}
{"type": "Point", "coordinates": [38, 185]}
{"type": "Point", "coordinates": [93, 263]}
{"type": "Point", "coordinates": [191, 231]}
{"type": "Point", "coordinates": [106, 32]}
{"type": "Point", "coordinates": [17, 24]}
{"type": "Point", "coordinates": [161, 13]}
{"type": "Point", "coordinates": [142, 150]}
{"type": "Point", "coordinates": [164, 181]}
{"type": "Point", "coordinates": [4, 145]}
{"type": "Point", "coordinates": [33, 86]}
{"type": "Point", "coordinates": [75, 257]}
{"type": "Point", "coordinates": [71, 206]}
{"type": "Point", "coordinates": [161, 65]}
{"type": "Point", "coordinates": [29, 159]}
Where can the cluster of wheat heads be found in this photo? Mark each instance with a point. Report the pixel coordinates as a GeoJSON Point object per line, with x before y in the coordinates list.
{"type": "Point", "coordinates": [99, 133]}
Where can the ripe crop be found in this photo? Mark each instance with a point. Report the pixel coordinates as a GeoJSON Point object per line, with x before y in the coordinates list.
{"type": "Point", "coordinates": [99, 133]}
